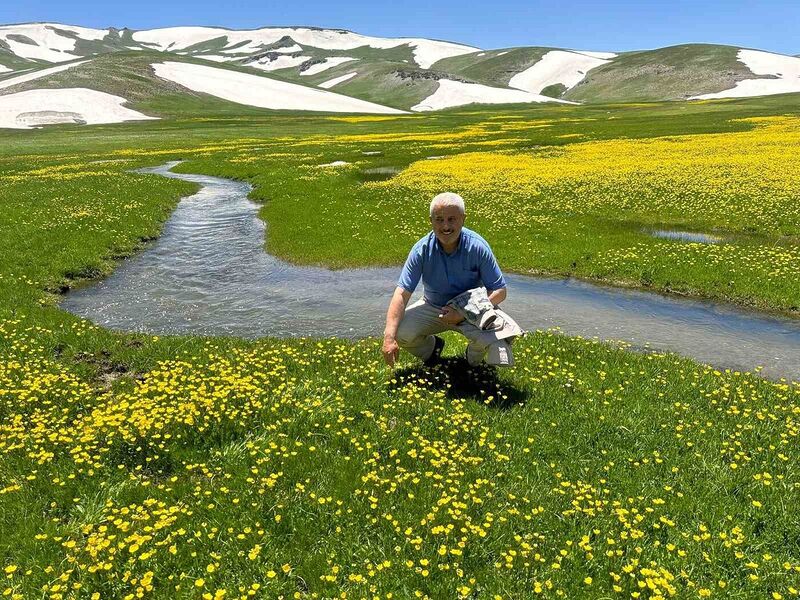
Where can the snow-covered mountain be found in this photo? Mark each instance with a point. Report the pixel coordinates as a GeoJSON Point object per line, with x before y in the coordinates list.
{"type": "Point", "coordinates": [52, 42]}
{"type": "Point", "coordinates": [332, 70]}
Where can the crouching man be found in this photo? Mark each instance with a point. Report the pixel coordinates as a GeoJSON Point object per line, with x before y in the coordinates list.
{"type": "Point", "coordinates": [463, 286]}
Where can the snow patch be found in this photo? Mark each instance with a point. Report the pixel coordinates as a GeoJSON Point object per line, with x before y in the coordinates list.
{"type": "Point", "coordinates": [501, 53]}
{"type": "Point", "coordinates": [217, 57]}
{"type": "Point", "coordinates": [263, 92]}
{"type": "Point", "coordinates": [337, 80]}
{"type": "Point", "coordinates": [785, 68]}
{"type": "Point", "coordinates": [288, 50]}
{"type": "Point", "coordinates": [279, 62]}
{"type": "Point", "coordinates": [604, 55]}
{"type": "Point", "coordinates": [427, 52]}
{"type": "Point", "coordinates": [455, 93]}
{"type": "Point", "coordinates": [336, 163]}
{"type": "Point", "coordinates": [327, 64]}
{"type": "Point", "coordinates": [48, 44]}
{"type": "Point", "coordinates": [24, 110]}
{"type": "Point", "coordinates": [176, 38]}
{"type": "Point", "coordinates": [4, 69]}
{"type": "Point", "coordinates": [38, 74]}
{"type": "Point", "coordinates": [557, 66]}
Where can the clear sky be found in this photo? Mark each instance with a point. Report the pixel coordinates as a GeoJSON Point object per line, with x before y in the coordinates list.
{"type": "Point", "coordinates": [612, 25]}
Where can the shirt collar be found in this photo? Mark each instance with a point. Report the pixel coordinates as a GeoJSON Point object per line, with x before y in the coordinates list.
{"type": "Point", "coordinates": [458, 245]}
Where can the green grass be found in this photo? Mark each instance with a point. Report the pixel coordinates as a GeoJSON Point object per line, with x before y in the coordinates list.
{"type": "Point", "coordinates": [495, 67]}
{"type": "Point", "coordinates": [555, 90]}
{"type": "Point", "coordinates": [174, 467]}
{"type": "Point", "coordinates": [12, 61]}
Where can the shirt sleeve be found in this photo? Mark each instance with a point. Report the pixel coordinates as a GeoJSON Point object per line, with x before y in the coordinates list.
{"type": "Point", "coordinates": [491, 276]}
{"type": "Point", "coordinates": [412, 271]}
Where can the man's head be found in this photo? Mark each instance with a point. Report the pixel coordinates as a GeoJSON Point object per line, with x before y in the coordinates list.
{"type": "Point", "coordinates": [447, 217]}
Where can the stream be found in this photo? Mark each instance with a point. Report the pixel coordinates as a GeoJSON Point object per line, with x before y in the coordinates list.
{"type": "Point", "coordinates": [208, 274]}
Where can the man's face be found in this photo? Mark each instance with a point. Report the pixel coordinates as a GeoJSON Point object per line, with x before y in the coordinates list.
{"type": "Point", "coordinates": [447, 222]}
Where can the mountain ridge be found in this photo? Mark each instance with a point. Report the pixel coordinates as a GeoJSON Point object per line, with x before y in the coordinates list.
{"type": "Point", "coordinates": [388, 74]}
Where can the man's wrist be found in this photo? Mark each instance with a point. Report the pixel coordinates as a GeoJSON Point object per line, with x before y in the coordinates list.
{"type": "Point", "coordinates": [387, 335]}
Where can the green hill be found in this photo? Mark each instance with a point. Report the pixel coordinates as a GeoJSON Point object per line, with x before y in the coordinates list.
{"type": "Point", "coordinates": [673, 73]}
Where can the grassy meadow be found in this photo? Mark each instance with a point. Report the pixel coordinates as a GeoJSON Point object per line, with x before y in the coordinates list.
{"type": "Point", "coordinates": [138, 466]}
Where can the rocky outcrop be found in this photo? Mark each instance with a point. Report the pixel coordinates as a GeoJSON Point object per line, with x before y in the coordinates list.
{"type": "Point", "coordinates": [419, 75]}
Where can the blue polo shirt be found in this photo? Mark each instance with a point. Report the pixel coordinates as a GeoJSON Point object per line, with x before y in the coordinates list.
{"type": "Point", "coordinates": [445, 276]}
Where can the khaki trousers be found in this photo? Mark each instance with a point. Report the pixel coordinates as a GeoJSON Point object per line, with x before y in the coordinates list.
{"type": "Point", "coordinates": [421, 322]}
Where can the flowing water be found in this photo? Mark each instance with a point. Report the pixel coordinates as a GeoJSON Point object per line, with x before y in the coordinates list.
{"type": "Point", "coordinates": [686, 236]}
{"type": "Point", "coordinates": [379, 173]}
{"type": "Point", "coordinates": [208, 274]}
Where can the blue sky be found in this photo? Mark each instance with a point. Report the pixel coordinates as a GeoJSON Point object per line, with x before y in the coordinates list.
{"type": "Point", "coordinates": [614, 25]}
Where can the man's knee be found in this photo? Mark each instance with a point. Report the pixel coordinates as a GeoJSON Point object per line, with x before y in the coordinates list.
{"type": "Point", "coordinates": [407, 335]}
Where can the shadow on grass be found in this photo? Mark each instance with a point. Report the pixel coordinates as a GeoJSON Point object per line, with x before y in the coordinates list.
{"type": "Point", "coordinates": [458, 379]}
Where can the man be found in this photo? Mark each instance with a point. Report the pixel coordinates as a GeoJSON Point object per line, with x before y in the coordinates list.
{"type": "Point", "coordinates": [450, 260]}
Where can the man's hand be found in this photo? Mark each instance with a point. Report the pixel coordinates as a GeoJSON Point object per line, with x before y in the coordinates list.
{"type": "Point", "coordinates": [390, 350]}
{"type": "Point", "coordinates": [394, 315]}
{"type": "Point", "coordinates": [450, 315]}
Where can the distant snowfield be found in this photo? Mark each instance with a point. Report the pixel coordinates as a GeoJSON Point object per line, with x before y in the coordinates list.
{"type": "Point", "coordinates": [785, 68]}
{"type": "Point", "coordinates": [263, 92]}
{"type": "Point", "coordinates": [557, 66]}
{"type": "Point", "coordinates": [327, 64]}
{"type": "Point", "coordinates": [24, 110]}
{"type": "Point", "coordinates": [47, 44]}
{"type": "Point", "coordinates": [289, 49]}
{"type": "Point", "coordinates": [279, 62]}
{"type": "Point", "coordinates": [426, 52]}
{"type": "Point", "coordinates": [455, 93]}
{"type": "Point", "coordinates": [337, 80]}
{"type": "Point", "coordinates": [605, 55]}
{"type": "Point", "coordinates": [38, 74]}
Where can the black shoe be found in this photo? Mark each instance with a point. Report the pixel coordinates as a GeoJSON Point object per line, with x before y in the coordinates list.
{"type": "Point", "coordinates": [466, 360]}
{"type": "Point", "coordinates": [435, 356]}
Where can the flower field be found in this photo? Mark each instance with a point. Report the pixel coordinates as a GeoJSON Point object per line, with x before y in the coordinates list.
{"type": "Point", "coordinates": [745, 181]}
{"type": "Point", "coordinates": [305, 469]}
{"type": "Point", "coordinates": [138, 466]}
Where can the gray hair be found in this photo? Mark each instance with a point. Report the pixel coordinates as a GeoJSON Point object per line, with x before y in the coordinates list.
{"type": "Point", "coordinates": [448, 199]}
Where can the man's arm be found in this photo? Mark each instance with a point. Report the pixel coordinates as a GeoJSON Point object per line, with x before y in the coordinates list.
{"type": "Point", "coordinates": [394, 315]}
{"type": "Point", "coordinates": [497, 296]}
{"type": "Point", "coordinates": [492, 277]}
